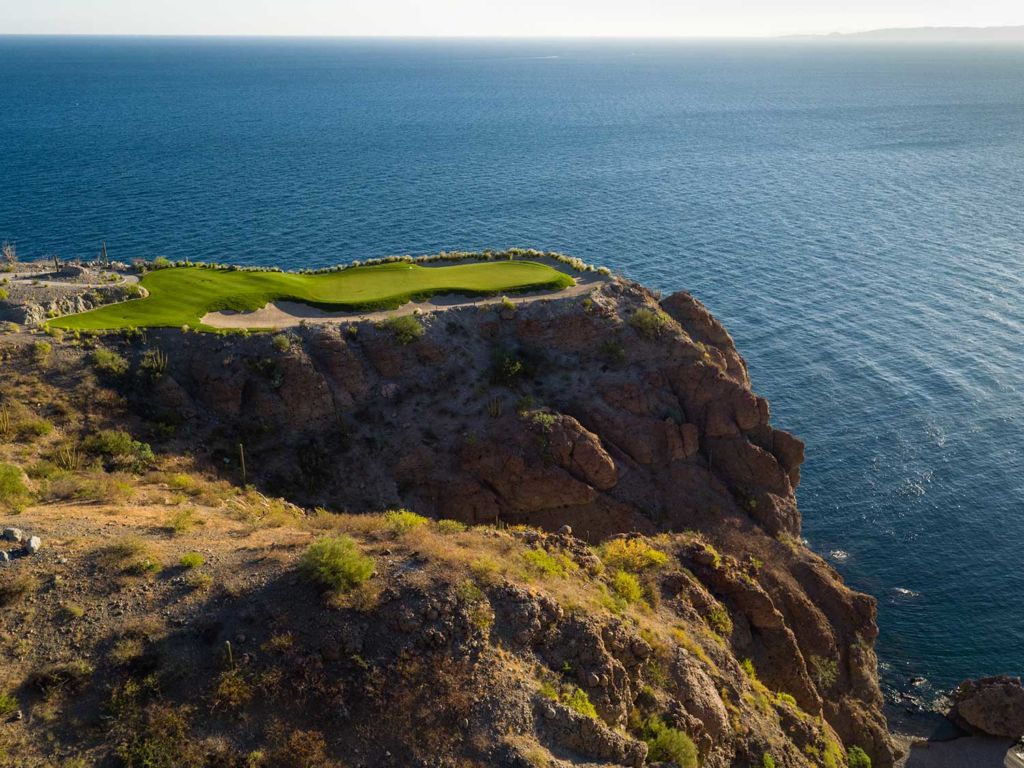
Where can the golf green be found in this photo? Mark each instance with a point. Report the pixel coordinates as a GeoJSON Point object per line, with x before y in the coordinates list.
{"type": "Point", "coordinates": [183, 295]}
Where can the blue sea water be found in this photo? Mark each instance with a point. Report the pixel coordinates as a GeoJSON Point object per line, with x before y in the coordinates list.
{"type": "Point", "coordinates": [852, 213]}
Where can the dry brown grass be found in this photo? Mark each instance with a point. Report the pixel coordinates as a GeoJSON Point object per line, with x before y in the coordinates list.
{"type": "Point", "coordinates": [16, 586]}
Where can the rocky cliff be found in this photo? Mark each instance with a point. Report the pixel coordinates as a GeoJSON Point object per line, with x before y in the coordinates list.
{"type": "Point", "coordinates": [614, 417]}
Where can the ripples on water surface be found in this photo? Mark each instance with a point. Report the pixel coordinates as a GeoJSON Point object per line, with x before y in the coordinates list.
{"type": "Point", "coordinates": [853, 214]}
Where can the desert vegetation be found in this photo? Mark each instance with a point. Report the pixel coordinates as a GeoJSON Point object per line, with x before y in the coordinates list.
{"type": "Point", "coordinates": [243, 566]}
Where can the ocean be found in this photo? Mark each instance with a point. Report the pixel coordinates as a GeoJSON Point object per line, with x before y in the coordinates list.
{"type": "Point", "coordinates": [852, 212]}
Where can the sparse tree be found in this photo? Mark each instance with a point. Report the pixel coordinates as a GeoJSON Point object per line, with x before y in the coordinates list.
{"type": "Point", "coordinates": [9, 254]}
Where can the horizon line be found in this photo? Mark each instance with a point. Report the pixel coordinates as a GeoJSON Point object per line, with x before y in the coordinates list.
{"type": "Point", "coordinates": [874, 34]}
{"type": "Point", "coordinates": [787, 36]}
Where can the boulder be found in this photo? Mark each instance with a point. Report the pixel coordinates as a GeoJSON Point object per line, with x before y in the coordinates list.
{"type": "Point", "coordinates": [990, 705]}
{"type": "Point", "coordinates": [33, 544]}
{"type": "Point", "coordinates": [13, 534]}
{"type": "Point", "coordinates": [704, 328]}
{"type": "Point", "coordinates": [581, 453]}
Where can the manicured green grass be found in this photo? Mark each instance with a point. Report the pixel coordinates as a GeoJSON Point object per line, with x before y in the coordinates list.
{"type": "Point", "coordinates": [181, 296]}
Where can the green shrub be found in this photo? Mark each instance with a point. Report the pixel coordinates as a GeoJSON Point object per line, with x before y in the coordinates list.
{"type": "Point", "coordinates": [109, 363]}
{"type": "Point", "coordinates": [507, 368]}
{"type": "Point", "coordinates": [748, 669]}
{"type": "Point", "coordinates": [666, 744]}
{"type": "Point", "coordinates": [548, 691]}
{"type": "Point", "coordinates": [824, 671]}
{"type": "Point", "coordinates": [767, 761]}
{"type": "Point", "coordinates": [543, 420]}
{"type": "Point", "coordinates": [198, 580]}
{"type": "Point", "coordinates": [450, 526]}
{"type": "Point", "coordinates": [30, 428]}
{"type": "Point", "coordinates": [120, 450]}
{"type": "Point", "coordinates": [649, 323]}
{"type": "Point", "coordinates": [719, 620]}
{"type": "Point", "coordinates": [577, 700]}
{"type": "Point", "coordinates": [41, 351]}
{"type": "Point", "coordinates": [857, 758]}
{"type": "Point", "coordinates": [191, 560]}
{"type": "Point", "coordinates": [475, 600]}
{"type": "Point", "coordinates": [72, 611]}
{"type": "Point", "coordinates": [8, 705]}
{"type": "Point", "coordinates": [716, 556]}
{"type": "Point", "coordinates": [68, 457]}
{"type": "Point", "coordinates": [631, 555]}
{"type": "Point", "coordinates": [282, 342]}
{"type": "Point", "coordinates": [336, 563]}
{"type": "Point", "coordinates": [786, 698]}
{"type": "Point", "coordinates": [405, 328]}
{"type": "Point", "coordinates": [181, 521]}
{"type": "Point", "coordinates": [43, 470]}
{"type": "Point", "coordinates": [3, 295]}
{"type": "Point", "coordinates": [547, 563]}
{"type": "Point", "coordinates": [402, 520]}
{"type": "Point", "coordinates": [14, 494]}
{"type": "Point", "coordinates": [153, 364]}
{"type": "Point", "coordinates": [143, 566]}
{"type": "Point", "coordinates": [182, 482]}
{"type": "Point", "coordinates": [130, 556]}
{"type": "Point", "coordinates": [626, 587]}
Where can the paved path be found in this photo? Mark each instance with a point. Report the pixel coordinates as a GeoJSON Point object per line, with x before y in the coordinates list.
{"type": "Point", "coordinates": [288, 314]}
{"type": "Point", "coordinates": [37, 279]}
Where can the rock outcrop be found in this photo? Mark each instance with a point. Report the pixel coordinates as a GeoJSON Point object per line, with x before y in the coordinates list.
{"type": "Point", "coordinates": [578, 412]}
{"type": "Point", "coordinates": [993, 706]}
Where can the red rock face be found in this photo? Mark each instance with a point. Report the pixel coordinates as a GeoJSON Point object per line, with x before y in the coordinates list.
{"type": "Point", "coordinates": [586, 422]}
{"type": "Point", "coordinates": [993, 706]}
{"type": "Point", "coordinates": [580, 453]}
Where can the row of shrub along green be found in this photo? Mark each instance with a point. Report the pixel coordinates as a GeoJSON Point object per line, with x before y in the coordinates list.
{"type": "Point", "coordinates": [162, 262]}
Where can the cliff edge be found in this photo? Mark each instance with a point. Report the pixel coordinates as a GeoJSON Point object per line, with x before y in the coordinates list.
{"type": "Point", "coordinates": [634, 536]}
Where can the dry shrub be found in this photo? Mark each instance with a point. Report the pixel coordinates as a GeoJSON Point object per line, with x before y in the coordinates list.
{"type": "Point", "coordinates": [16, 586]}
{"type": "Point", "coordinates": [297, 749]}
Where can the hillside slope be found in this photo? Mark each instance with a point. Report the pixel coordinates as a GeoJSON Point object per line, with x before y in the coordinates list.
{"type": "Point", "coordinates": [613, 414]}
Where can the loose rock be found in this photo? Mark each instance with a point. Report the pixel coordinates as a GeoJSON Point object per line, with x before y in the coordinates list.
{"type": "Point", "coordinates": [990, 705]}
{"type": "Point", "coordinates": [13, 534]}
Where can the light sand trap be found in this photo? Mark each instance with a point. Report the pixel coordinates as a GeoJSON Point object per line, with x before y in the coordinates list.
{"type": "Point", "coordinates": [288, 314]}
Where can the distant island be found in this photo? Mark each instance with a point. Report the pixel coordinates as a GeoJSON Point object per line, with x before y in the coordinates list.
{"type": "Point", "coordinates": [929, 35]}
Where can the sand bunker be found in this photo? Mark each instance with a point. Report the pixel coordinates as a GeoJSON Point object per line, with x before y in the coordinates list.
{"type": "Point", "coordinates": [288, 314]}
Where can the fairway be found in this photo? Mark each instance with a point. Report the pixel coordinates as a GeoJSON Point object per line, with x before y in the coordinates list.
{"type": "Point", "coordinates": [183, 295]}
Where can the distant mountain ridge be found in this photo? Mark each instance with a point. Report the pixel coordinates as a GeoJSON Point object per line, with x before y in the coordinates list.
{"type": "Point", "coordinates": [1013, 34]}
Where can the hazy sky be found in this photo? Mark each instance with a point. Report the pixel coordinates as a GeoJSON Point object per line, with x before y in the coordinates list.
{"type": "Point", "coordinates": [672, 18]}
